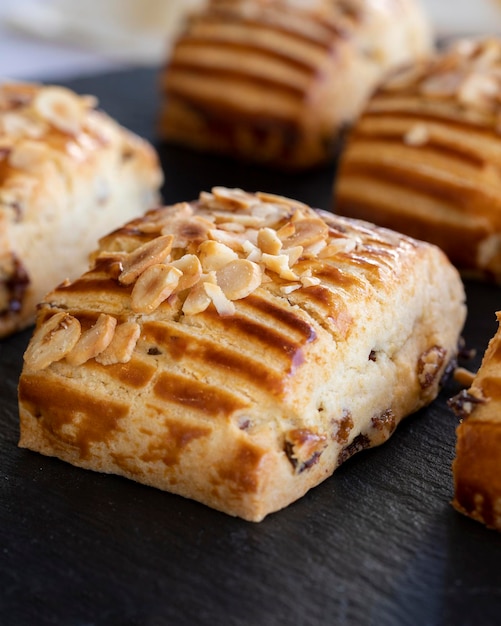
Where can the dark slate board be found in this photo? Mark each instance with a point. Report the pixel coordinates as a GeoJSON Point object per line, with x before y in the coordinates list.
{"type": "Point", "coordinates": [376, 544]}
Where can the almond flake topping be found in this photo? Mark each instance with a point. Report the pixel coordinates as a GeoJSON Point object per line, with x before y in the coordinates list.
{"type": "Point", "coordinates": [155, 251]}
{"type": "Point", "coordinates": [221, 249]}
{"type": "Point", "coordinates": [93, 341]}
{"type": "Point", "coordinates": [52, 341]}
{"type": "Point", "coordinates": [154, 286]}
{"type": "Point", "coordinates": [62, 108]}
{"type": "Point", "coordinates": [122, 345]}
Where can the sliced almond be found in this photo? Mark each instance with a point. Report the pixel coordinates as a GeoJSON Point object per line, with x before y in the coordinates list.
{"type": "Point", "coordinates": [286, 231]}
{"type": "Point", "coordinates": [310, 281]}
{"type": "Point", "coordinates": [307, 232]}
{"type": "Point", "coordinates": [153, 286]}
{"type": "Point", "coordinates": [155, 220]}
{"type": "Point", "coordinates": [213, 255]}
{"type": "Point", "coordinates": [122, 345]}
{"type": "Point", "coordinates": [233, 199]}
{"type": "Point", "coordinates": [52, 341]}
{"type": "Point", "coordinates": [197, 300]}
{"type": "Point", "coordinates": [239, 278]}
{"type": "Point", "coordinates": [186, 231]}
{"type": "Point", "coordinates": [93, 341]}
{"type": "Point", "coordinates": [60, 107]}
{"type": "Point", "coordinates": [223, 305]}
{"type": "Point", "coordinates": [155, 251]}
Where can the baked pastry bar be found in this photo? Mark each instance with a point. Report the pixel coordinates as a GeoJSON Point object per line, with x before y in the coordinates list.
{"type": "Point", "coordinates": [423, 158]}
{"type": "Point", "coordinates": [68, 175]}
{"type": "Point", "coordinates": [237, 349]}
{"type": "Point", "coordinates": [477, 464]}
{"type": "Point", "coordinates": [275, 81]}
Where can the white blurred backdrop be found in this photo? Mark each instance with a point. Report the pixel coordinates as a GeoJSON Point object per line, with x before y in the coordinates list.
{"type": "Point", "coordinates": [57, 38]}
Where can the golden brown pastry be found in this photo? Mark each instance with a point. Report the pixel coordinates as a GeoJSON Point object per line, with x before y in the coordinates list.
{"type": "Point", "coordinates": [423, 158]}
{"type": "Point", "coordinates": [237, 349]}
{"type": "Point", "coordinates": [68, 174]}
{"type": "Point", "coordinates": [477, 465]}
{"type": "Point", "coordinates": [276, 81]}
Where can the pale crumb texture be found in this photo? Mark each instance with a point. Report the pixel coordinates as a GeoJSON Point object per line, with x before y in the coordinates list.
{"type": "Point", "coordinates": [68, 175]}
{"type": "Point", "coordinates": [236, 349]}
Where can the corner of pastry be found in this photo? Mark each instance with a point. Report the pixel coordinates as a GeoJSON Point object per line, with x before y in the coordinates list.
{"type": "Point", "coordinates": [423, 157]}
{"type": "Point", "coordinates": [68, 174]}
{"type": "Point", "coordinates": [236, 349]}
{"type": "Point", "coordinates": [277, 81]}
{"type": "Point", "coordinates": [477, 463]}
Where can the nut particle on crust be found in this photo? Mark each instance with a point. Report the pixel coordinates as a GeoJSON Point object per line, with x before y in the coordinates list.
{"type": "Point", "coordinates": [52, 341]}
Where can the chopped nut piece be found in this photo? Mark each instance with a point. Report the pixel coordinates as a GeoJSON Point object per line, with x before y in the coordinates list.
{"type": "Point", "coordinates": [252, 252]}
{"type": "Point", "coordinates": [153, 286]}
{"type": "Point", "coordinates": [223, 306]}
{"type": "Point", "coordinates": [294, 254]}
{"type": "Point", "coordinates": [122, 345]}
{"type": "Point", "coordinates": [418, 135]}
{"type": "Point", "coordinates": [268, 241]}
{"type": "Point", "coordinates": [286, 289]}
{"type": "Point", "coordinates": [61, 108]}
{"type": "Point", "coordinates": [198, 299]}
{"type": "Point", "coordinates": [93, 341]}
{"type": "Point", "coordinates": [52, 341]}
{"type": "Point", "coordinates": [151, 253]}
{"type": "Point", "coordinates": [214, 255]}
{"type": "Point", "coordinates": [239, 278]}
{"type": "Point", "coordinates": [279, 263]}
{"type": "Point", "coordinates": [191, 269]}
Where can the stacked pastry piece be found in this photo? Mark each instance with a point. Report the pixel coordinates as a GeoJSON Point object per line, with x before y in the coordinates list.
{"type": "Point", "coordinates": [424, 157]}
{"type": "Point", "coordinates": [150, 365]}
{"type": "Point", "coordinates": [68, 174]}
{"type": "Point", "coordinates": [276, 81]}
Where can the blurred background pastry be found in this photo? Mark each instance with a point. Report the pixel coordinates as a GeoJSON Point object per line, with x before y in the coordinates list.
{"type": "Point", "coordinates": [424, 157]}
{"type": "Point", "coordinates": [276, 81]}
